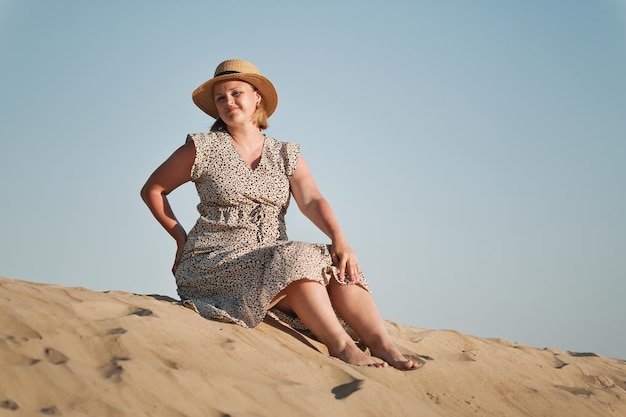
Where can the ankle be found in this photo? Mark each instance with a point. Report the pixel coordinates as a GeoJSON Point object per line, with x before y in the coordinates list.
{"type": "Point", "coordinates": [379, 343]}
{"type": "Point", "coordinates": [384, 347]}
{"type": "Point", "coordinates": [341, 346]}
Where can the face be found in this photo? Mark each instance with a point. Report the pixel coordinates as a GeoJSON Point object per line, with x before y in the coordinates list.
{"type": "Point", "coordinates": [236, 101]}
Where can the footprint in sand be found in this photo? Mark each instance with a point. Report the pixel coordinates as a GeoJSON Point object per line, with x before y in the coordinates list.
{"type": "Point", "coordinates": [468, 356]}
{"type": "Point", "coordinates": [55, 357]}
{"type": "Point", "coordinates": [113, 369]}
{"type": "Point", "coordinates": [559, 364]}
{"type": "Point", "coordinates": [9, 405]}
{"type": "Point", "coordinates": [141, 312]}
{"type": "Point", "coordinates": [103, 310]}
{"type": "Point", "coordinates": [229, 344]}
{"type": "Point", "coordinates": [53, 410]}
{"type": "Point", "coordinates": [348, 384]}
{"type": "Point", "coordinates": [18, 332]}
{"type": "Point", "coordinates": [116, 331]}
{"type": "Point", "coordinates": [344, 390]}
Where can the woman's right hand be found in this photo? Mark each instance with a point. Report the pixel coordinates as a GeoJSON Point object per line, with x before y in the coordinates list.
{"type": "Point", "coordinates": [179, 255]}
{"type": "Point", "coordinates": [345, 260]}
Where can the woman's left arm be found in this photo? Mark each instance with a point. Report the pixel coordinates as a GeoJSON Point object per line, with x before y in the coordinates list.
{"type": "Point", "coordinates": [315, 207]}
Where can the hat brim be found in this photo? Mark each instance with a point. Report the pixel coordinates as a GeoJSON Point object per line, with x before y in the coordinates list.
{"type": "Point", "coordinates": [204, 99]}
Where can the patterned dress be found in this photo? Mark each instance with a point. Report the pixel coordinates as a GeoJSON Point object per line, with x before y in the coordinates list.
{"type": "Point", "coordinates": [237, 257]}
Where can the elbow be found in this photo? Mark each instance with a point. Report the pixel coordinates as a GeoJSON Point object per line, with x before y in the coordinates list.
{"type": "Point", "coordinates": [146, 191]}
{"type": "Point", "coordinates": [150, 190]}
{"type": "Point", "coordinates": [143, 193]}
{"type": "Point", "coordinates": [310, 206]}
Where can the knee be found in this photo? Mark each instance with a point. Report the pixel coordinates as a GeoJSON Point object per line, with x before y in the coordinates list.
{"type": "Point", "coordinates": [282, 300]}
{"type": "Point", "coordinates": [306, 288]}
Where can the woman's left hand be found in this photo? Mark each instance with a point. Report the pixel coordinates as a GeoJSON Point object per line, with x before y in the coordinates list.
{"type": "Point", "coordinates": [345, 260]}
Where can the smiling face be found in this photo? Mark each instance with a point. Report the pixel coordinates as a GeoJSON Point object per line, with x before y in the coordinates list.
{"type": "Point", "coordinates": [236, 101]}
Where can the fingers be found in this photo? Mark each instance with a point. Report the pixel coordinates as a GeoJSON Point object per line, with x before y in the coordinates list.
{"type": "Point", "coordinates": [354, 272]}
{"type": "Point", "coordinates": [178, 257]}
{"type": "Point", "coordinates": [176, 263]}
{"type": "Point", "coordinates": [351, 268]}
{"type": "Point", "coordinates": [348, 267]}
{"type": "Point", "coordinates": [341, 262]}
{"type": "Point", "coordinates": [345, 261]}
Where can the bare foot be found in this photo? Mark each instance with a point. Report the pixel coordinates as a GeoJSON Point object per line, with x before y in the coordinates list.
{"type": "Point", "coordinates": [353, 355]}
{"type": "Point", "coordinates": [407, 364]}
{"type": "Point", "coordinates": [396, 359]}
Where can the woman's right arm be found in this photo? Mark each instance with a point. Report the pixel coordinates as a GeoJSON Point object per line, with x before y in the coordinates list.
{"type": "Point", "coordinates": [173, 173]}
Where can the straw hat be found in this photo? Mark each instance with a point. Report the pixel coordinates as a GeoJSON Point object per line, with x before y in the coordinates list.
{"type": "Point", "coordinates": [235, 69]}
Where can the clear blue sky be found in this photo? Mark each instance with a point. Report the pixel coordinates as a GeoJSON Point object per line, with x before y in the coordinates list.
{"type": "Point", "coordinates": [474, 152]}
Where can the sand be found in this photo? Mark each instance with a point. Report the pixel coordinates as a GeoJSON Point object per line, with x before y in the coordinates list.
{"type": "Point", "coordinates": [77, 352]}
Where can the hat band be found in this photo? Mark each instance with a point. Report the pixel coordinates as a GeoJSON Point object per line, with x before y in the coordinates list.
{"type": "Point", "coordinates": [226, 73]}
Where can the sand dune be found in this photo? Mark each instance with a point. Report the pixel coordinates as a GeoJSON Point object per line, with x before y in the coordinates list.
{"type": "Point", "coordinates": [76, 352]}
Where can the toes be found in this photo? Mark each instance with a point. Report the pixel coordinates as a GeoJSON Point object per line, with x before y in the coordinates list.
{"type": "Point", "coordinates": [407, 365]}
{"type": "Point", "coordinates": [378, 364]}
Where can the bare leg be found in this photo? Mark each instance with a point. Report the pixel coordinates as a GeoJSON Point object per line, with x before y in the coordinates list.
{"type": "Point", "coordinates": [357, 307]}
{"type": "Point", "coordinates": [310, 301]}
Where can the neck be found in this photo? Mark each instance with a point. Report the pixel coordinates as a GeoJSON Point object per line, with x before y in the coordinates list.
{"type": "Point", "coordinates": [247, 136]}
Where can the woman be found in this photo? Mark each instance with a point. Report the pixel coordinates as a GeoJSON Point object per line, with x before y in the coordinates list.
{"type": "Point", "coordinates": [236, 264]}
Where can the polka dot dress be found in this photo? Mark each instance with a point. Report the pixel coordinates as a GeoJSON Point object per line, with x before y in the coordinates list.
{"type": "Point", "coordinates": [237, 257]}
